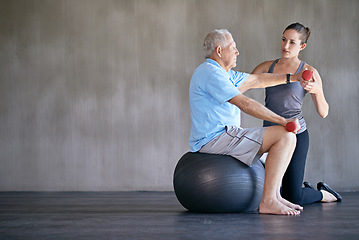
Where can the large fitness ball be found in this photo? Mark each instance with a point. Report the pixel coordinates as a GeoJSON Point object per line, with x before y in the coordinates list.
{"type": "Point", "coordinates": [215, 183]}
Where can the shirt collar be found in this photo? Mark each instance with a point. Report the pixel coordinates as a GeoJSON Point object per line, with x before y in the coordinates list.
{"type": "Point", "coordinates": [211, 61]}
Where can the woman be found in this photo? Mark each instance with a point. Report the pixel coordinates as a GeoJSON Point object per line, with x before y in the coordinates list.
{"type": "Point", "coordinates": [286, 100]}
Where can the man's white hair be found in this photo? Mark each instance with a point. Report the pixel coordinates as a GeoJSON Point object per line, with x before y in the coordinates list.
{"type": "Point", "coordinates": [215, 38]}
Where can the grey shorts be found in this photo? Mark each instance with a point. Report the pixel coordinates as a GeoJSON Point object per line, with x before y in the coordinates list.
{"type": "Point", "coordinates": [240, 143]}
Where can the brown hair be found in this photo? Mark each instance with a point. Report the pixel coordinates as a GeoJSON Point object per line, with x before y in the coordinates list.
{"type": "Point", "coordinates": [303, 31]}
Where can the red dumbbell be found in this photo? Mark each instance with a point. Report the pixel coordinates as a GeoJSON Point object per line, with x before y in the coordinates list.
{"type": "Point", "coordinates": [307, 75]}
{"type": "Point", "coordinates": [293, 126]}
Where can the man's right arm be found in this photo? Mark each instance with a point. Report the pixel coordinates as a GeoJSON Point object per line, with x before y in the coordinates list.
{"type": "Point", "coordinates": [255, 109]}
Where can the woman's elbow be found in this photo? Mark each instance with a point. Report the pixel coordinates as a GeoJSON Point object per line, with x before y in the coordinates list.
{"type": "Point", "coordinates": [324, 113]}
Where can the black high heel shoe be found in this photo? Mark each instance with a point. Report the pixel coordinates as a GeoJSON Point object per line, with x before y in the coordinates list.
{"type": "Point", "coordinates": [308, 185]}
{"type": "Point", "coordinates": [325, 187]}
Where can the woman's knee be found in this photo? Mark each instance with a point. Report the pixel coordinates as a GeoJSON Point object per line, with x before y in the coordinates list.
{"type": "Point", "coordinates": [293, 197]}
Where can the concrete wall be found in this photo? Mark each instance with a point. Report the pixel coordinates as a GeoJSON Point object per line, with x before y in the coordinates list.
{"type": "Point", "coordinates": [94, 94]}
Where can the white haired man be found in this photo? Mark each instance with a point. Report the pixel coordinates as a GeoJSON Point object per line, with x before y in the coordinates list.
{"type": "Point", "coordinates": [215, 97]}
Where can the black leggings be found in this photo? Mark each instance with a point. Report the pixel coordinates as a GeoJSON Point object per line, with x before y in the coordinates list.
{"type": "Point", "coordinates": [293, 178]}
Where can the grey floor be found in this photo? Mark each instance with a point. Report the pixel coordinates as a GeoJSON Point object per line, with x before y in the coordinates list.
{"type": "Point", "coordinates": [158, 215]}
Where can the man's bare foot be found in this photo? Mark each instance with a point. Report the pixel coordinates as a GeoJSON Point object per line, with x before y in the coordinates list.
{"type": "Point", "coordinates": [289, 204]}
{"type": "Point", "coordinates": [328, 197]}
{"type": "Point", "coordinates": [274, 206]}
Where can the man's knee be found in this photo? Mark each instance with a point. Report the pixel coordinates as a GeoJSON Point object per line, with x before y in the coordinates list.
{"type": "Point", "coordinates": [278, 135]}
{"type": "Point", "coordinates": [288, 141]}
{"type": "Point", "coordinates": [290, 138]}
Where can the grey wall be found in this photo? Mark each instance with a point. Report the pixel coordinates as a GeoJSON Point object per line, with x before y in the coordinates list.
{"type": "Point", "coordinates": [94, 94]}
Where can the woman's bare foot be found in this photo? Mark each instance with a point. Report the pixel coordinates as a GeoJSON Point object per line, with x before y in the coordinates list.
{"type": "Point", "coordinates": [274, 206]}
{"type": "Point", "coordinates": [328, 197]}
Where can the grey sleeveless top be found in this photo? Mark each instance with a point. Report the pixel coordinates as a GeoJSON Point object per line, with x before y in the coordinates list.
{"type": "Point", "coordinates": [286, 99]}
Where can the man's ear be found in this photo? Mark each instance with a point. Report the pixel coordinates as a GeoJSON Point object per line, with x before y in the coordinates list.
{"type": "Point", "coordinates": [219, 51]}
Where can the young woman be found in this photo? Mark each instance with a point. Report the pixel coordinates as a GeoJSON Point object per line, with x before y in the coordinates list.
{"type": "Point", "coordinates": [286, 100]}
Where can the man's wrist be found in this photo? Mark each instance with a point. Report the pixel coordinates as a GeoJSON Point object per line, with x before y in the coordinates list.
{"type": "Point", "coordinates": [284, 121]}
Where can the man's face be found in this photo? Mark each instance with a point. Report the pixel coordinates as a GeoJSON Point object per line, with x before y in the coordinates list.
{"type": "Point", "coordinates": [229, 54]}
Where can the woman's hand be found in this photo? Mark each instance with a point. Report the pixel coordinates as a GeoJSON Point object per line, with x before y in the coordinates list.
{"type": "Point", "coordinates": [312, 86]}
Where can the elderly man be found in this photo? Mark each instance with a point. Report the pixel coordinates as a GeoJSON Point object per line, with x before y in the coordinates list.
{"type": "Point", "coordinates": [215, 98]}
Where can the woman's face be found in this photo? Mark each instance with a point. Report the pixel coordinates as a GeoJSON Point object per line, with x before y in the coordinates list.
{"type": "Point", "coordinates": [291, 44]}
